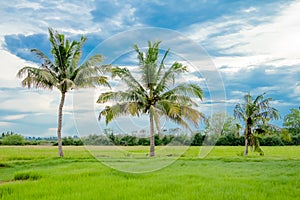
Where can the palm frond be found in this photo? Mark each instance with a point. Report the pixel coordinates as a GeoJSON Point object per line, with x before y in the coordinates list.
{"type": "Point", "coordinates": [119, 109]}
{"type": "Point", "coordinates": [239, 112]}
{"type": "Point", "coordinates": [95, 60]}
{"type": "Point", "coordinates": [37, 77]}
{"type": "Point", "coordinates": [121, 96]}
{"type": "Point", "coordinates": [185, 89]}
{"type": "Point", "coordinates": [162, 64]}
{"type": "Point", "coordinates": [128, 78]}
{"type": "Point", "coordinates": [179, 112]}
{"type": "Point", "coordinates": [169, 77]}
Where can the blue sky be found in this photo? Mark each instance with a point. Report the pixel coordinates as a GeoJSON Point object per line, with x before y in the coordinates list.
{"type": "Point", "coordinates": [253, 45]}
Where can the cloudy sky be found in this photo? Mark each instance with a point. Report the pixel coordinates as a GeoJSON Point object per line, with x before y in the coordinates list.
{"type": "Point", "coordinates": [246, 45]}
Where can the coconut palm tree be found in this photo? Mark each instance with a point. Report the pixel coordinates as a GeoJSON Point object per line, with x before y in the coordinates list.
{"type": "Point", "coordinates": [254, 112]}
{"type": "Point", "coordinates": [63, 71]}
{"type": "Point", "coordinates": [154, 93]}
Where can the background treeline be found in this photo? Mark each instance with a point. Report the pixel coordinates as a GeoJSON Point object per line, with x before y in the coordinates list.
{"type": "Point", "coordinates": [197, 139]}
{"type": "Point", "coordinates": [220, 129]}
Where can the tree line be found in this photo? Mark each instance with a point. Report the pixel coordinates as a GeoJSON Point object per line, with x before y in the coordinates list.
{"type": "Point", "coordinates": [196, 139]}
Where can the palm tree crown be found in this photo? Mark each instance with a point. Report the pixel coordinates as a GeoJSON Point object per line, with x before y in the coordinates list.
{"type": "Point", "coordinates": [63, 71]}
{"type": "Point", "coordinates": [155, 93]}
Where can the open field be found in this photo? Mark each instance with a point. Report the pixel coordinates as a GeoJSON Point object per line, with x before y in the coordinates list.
{"type": "Point", "coordinates": [36, 172]}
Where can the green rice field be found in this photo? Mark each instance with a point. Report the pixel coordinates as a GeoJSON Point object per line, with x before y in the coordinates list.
{"type": "Point", "coordinates": [36, 172]}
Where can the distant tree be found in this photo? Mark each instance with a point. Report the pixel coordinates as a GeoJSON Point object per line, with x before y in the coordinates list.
{"type": "Point", "coordinates": [197, 139]}
{"type": "Point", "coordinates": [292, 121]}
{"type": "Point", "coordinates": [221, 123]}
{"type": "Point", "coordinates": [154, 94]}
{"type": "Point", "coordinates": [254, 112]}
{"type": "Point", "coordinates": [63, 72]}
{"type": "Point", "coordinates": [13, 139]}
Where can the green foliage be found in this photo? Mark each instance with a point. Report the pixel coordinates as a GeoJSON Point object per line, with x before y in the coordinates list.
{"type": "Point", "coordinates": [271, 140]}
{"type": "Point", "coordinates": [67, 141]}
{"type": "Point", "coordinates": [285, 135]}
{"type": "Point", "coordinates": [167, 139]}
{"type": "Point", "coordinates": [14, 139]}
{"type": "Point", "coordinates": [181, 139]}
{"type": "Point", "coordinates": [230, 140]}
{"type": "Point", "coordinates": [197, 139]}
{"type": "Point", "coordinates": [144, 141]}
{"type": "Point", "coordinates": [129, 140]}
{"type": "Point", "coordinates": [33, 142]}
{"type": "Point", "coordinates": [292, 121]}
{"type": "Point", "coordinates": [221, 124]}
{"type": "Point", "coordinates": [295, 140]}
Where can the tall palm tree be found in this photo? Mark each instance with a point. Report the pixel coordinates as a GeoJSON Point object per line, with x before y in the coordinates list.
{"type": "Point", "coordinates": [254, 112]}
{"type": "Point", "coordinates": [63, 71]}
{"type": "Point", "coordinates": [154, 93]}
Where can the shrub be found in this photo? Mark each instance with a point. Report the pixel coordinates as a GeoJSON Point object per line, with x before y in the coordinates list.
{"type": "Point", "coordinates": [295, 140]}
{"type": "Point", "coordinates": [32, 142]}
{"type": "Point", "coordinates": [14, 139]}
{"type": "Point", "coordinates": [271, 140]}
{"type": "Point", "coordinates": [144, 141]}
{"type": "Point", "coordinates": [157, 140]}
{"type": "Point", "coordinates": [167, 139]}
{"type": "Point", "coordinates": [67, 141]}
{"type": "Point", "coordinates": [181, 139]}
{"type": "Point", "coordinates": [197, 139]}
{"type": "Point", "coordinates": [128, 140]}
{"type": "Point", "coordinates": [230, 140]}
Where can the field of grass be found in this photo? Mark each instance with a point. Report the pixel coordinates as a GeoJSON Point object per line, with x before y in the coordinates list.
{"type": "Point", "coordinates": [35, 172]}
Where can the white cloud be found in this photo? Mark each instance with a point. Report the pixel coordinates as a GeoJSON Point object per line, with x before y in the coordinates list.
{"type": "Point", "coordinates": [249, 10]}
{"type": "Point", "coordinates": [274, 41]}
{"type": "Point", "coordinates": [296, 90]}
{"type": "Point", "coordinates": [30, 101]}
{"type": "Point", "coordinates": [5, 124]}
{"type": "Point", "coordinates": [9, 65]}
{"type": "Point", "coordinates": [14, 117]}
{"type": "Point", "coordinates": [31, 17]}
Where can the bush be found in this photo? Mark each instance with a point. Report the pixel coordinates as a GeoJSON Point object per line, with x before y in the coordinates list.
{"type": "Point", "coordinates": [197, 139]}
{"type": "Point", "coordinates": [32, 142]}
{"type": "Point", "coordinates": [144, 141]}
{"type": "Point", "coordinates": [230, 140]}
{"type": "Point", "coordinates": [14, 139]}
{"type": "Point", "coordinates": [128, 140]}
{"type": "Point", "coordinates": [271, 140]}
{"type": "Point", "coordinates": [67, 141]}
{"type": "Point", "coordinates": [157, 140]}
{"type": "Point", "coordinates": [181, 139]}
{"type": "Point", "coordinates": [295, 140]}
{"type": "Point", "coordinates": [167, 139]}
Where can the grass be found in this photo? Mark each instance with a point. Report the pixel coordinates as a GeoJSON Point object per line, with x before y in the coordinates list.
{"type": "Point", "coordinates": [37, 173]}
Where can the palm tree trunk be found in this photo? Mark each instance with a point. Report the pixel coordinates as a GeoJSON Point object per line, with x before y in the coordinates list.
{"type": "Point", "coordinates": [246, 135]}
{"type": "Point", "coordinates": [59, 126]}
{"type": "Point", "coordinates": [152, 142]}
{"type": "Point", "coordinates": [246, 146]}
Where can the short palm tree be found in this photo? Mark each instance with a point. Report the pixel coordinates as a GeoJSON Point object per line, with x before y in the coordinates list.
{"type": "Point", "coordinates": [155, 93]}
{"type": "Point", "coordinates": [63, 72]}
{"type": "Point", "coordinates": [254, 112]}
